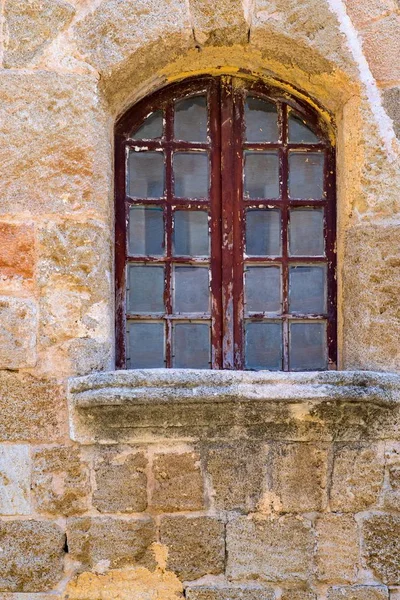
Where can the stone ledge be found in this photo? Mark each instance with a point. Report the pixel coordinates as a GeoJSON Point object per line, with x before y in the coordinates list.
{"type": "Point", "coordinates": [153, 404]}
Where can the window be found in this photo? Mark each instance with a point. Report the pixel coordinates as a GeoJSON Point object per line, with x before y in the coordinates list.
{"type": "Point", "coordinates": [225, 230]}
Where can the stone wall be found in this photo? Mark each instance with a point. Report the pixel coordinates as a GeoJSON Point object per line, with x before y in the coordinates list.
{"type": "Point", "coordinates": [238, 517]}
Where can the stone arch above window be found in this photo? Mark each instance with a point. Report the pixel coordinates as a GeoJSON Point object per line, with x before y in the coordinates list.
{"type": "Point", "coordinates": [225, 230]}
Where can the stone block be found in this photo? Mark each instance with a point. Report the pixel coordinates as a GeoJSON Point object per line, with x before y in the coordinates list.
{"type": "Point", "coordinates": [17, 257]}
{"type": "Point", "coordinates": [392, 490]}
{"type": "Point", "coordinates": [337, 553]}
{"type": "Point", "coordinates": [219, 24]}
{"type": "Point", "coordinates": [253, 592]}
{"type": "Point", "coordinates": [297, 475]}
{"type": "Point", "coordinates": [244, 464]}
{"type": "Point", "coordinates": [116, 542]}
{"type": "Point", "coordinates": [196, 545]}
{"type": "Point", "coordinates": [11, 596]}
{"type": "Point", "coordinates": [273, 549]}
{"type": "Point", "coordinates": [31, 26]}
{"type": "Point", "coordinates": [358, 592]}
{"type": "Point", "coordinates": [32, 557]}
{"type": "Point", "coordinates": [31, 409]}
{"type": "Point", "coordinates": [60, 481]}
{"type": "Point", "coordinates": [54, 147]}
{"type": "Point", "coordinates": [178, 482]}
{"type": "Point", "coordinates": [381, 42]}
{"type": "Point", "coordinates": [298, 595]}
{"type": "Point", "coordinates": [391, 103]}
{"type": "Point", "coordinates": [15, 475]}
{"type": "Point", "coordinates": [382, 546]}
{"type": "Point", "coordinates": [18, 322]}
{"type": "Point", "coordinates": [357, 477]}
{"type": "Point", "coordinates": [362, 13]}
{"type": "Point", "coordinates": [120, 480]}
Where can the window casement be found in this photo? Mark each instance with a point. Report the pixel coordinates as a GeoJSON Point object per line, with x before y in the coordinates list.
{"type": "Point", "coordinates": [225, 230]}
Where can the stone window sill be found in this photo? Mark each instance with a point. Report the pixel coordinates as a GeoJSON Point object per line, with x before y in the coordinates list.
{"type": "Point", "coordinates": [155, 404]}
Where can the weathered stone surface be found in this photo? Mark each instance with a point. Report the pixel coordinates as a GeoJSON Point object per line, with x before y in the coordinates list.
{"type": "Point", "coordinates": [357, 477]}
{"type": "Point", "coordinates": [392, 490]}
{"type": "Point", "coordinates": [363, 12]}
{"type": "Point", "coordinates": [115, 542]}
{"type": "Point", "coordinates": [359, 592]}
{"type": "Point", "coordinates": [31, 409]}
{"type": "Point", "coordinates": [18, 322]}
{"type": "Point", "coordinates": [11, 596]}
{"type": "Point", "coordinates": [54, 151]}
{"type": "Point", "coordinates": [391, 103]}
{"type": "Point", "coordinates": [178, 482]}
{"type": "Point", "coordinates": [60, 481]}
{"type": "Point", "coordinates": [273, 549]}
{"type": "Point", "coordinates": [219, 24]}
{"type": "Point", "coordinates": [16, 250]}
{"type": "Point", "coordinates": [382, 546]}
{"type": "Point", "coordinates": [337, 553]}
{"type": "Point", "coordinates": [381, 42]}
{"type": "Point", "coordinates": [243, 463]}
{"type": "Point", "coordinates": [298, 595]}
{"type": "Point", "coordinates": [196, 545]}
{"type": "Point", "coordinates": [15, 472]}
{"type": "Point", "coordinates": [204, 592]}
{"type": "Point", "coordinates": [297, 475]}
{"type": "Point", "coordinates": [32, 557]}
{"type": "Point", "coordinates": [121, 481]}
{"type": "Point", "coordinates": [32, 25]}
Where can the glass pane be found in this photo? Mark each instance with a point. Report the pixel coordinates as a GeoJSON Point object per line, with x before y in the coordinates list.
{"type": "Point", "coordinates": [307, 348]}
{"type": "Point", "coordinates": [261, 121]}
{"type": "Point", "coordinates": [263, 232]}
{"type": "Point", "coordinates": [261, 175]}
{"type": "Point", "coordinates": [191, 175]}
{"type": "Point", "coordinates": [145, 345]}
{"type": "Point", "coordinates": [191, 119]}
{"type": "Point", "coordinates": [263, 346]}
{"type": "Point", "coordinates": [191, 290]}
{"type": "Point", "coordinates": [263, 289]}
{"type": "Point", "coordinates": [151, 128]}
{"type": "Point", "coordinates": [191, 233]}
{"type": "Point", "coordinates": [145, 289]}
{"type": "Point", "coordinates": [146, 231]}
{"type": "Point", "coordinates": [306, 175]}
{"type": "Point", "coordinates": [145, 174]}
{"type": "Point", "coordinates": [306, 232]}
{"type": "Point", "coordinates": [191, 346]}
{"type": "Point", "coordinates": [307, 290]}
{"type": "Point", "coordinates": [299, 131]}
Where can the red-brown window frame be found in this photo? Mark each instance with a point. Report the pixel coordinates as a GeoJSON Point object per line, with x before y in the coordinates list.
{"type": "Point", "coordinates": [226, 96]}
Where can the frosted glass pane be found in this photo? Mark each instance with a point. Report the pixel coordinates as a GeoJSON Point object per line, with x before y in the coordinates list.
{"type": "Point", "coordinates": [307, 290]}
{"type": "Point", "coordinates": [146, 231]}
{"type": "Point", "coordinates": [261, 175]}
{"type": "Point", "coordinates": [299, 131]}
{"type": "Point", "coordinates": [307, 347]}
{"type": "Point", "coordinates": [306, 232]}
{"type": "Point", "coordinates": [191, 346]}
{"type": "Point", "coordinates": [191, 119]}
{"type": "Point", "coordinates": [263, 232]}
{"type": "Point", "coordinates": [145, 289]}
{"type": "Point", "coordinates": [145, 174]}
{"type": "Point", "coordinates": [151, 128]}
{"type": "Point", "coordinates": [263, 289]}
{"type": "Point", "coordinates": [191, 233]}
{"type": "Point", "coordinates": [191, 290]}
{"type": "Point", "coordinates": [146, 345]}
{"type": "Point", "coordinates": [191, 175]}
{"type": "Point", "coordinates": [306, 175]}
{"type": "Point", "coordinates": [263, 346]}
{"type": "Point", "coordinates": [261, 121]}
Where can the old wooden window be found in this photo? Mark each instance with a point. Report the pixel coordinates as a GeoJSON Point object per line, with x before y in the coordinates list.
{"type": "Point", "coordinates": [225, 230]}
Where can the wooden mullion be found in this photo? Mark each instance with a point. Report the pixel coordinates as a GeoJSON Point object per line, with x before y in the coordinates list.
{"type": "Point", "coordinates": [284, 175]}
{"type": "Point", "coordinates": [169, 177]}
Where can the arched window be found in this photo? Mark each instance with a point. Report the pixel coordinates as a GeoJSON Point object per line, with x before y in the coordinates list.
{"type": "Point", "coordinates": [225, 230]}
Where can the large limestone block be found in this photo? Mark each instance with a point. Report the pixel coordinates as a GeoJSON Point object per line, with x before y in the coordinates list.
{"type": "Point", "coordinates": [391, 103]}
{"type": "Point", "coordinates": [273, 549]}
{"type": "Point", "coordinates": [359, 592]}
{"type": "Point", "coordinates": [32, 557]}
{"type": "Point", "coordinates": [221, 23]}
{"type": "Point", "coordinates": [31, 409]}
{"type": "Point", "coordinates": [298, 595]}
{"type": "Point", "coordinates": [381, 42]}
{"type": "Point", "coordinates": [392, 489]}
{"type": "Point", "coordinates": [382, 546]}
{"type": "Point", "coordinates": [15, 472]}
{"type": "Point", "coordinates": [368, 10]}
{"type": "Point", "coordinates": [17, 252]}
{"type": "Point", "coordinates": [32, 25]}
{"type": "Point", "coordinates": [204, 592]}
{"type": "Point", "coordinates": [55, 155]}
{"type": "Point", "coordinates": [18, 323]}
{"type": "Point", "coordinates": [178, 482]}
{"type": "Point", "coordinates": [337, 554]}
